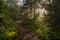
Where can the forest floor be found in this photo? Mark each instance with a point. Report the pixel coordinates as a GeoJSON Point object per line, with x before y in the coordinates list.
{"type": "Point", "coordinates": [24, 33]}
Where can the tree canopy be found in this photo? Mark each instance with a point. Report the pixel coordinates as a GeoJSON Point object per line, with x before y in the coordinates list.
{"type": "Point", "coordinates": [40, 16]}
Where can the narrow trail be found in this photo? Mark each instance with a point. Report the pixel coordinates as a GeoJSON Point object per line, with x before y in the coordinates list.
{"type": "Point", "coordinates": [24, 33]}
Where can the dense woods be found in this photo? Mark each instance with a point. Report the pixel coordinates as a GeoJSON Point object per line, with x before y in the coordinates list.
{"type": "Point", "coordinates": [29, 19]}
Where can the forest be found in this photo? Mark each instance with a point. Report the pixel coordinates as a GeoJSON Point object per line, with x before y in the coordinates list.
{"type": "Point", "coordinates": [29, 20]}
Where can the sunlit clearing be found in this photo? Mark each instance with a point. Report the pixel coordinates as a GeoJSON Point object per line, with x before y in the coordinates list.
{"type": "Point", "coordinates": [42, 11]}
{"type": "Point", "coordinates": [44, 1]}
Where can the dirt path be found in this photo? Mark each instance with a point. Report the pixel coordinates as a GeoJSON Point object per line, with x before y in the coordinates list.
{"type": "Point", "coordinates": [23, 33]}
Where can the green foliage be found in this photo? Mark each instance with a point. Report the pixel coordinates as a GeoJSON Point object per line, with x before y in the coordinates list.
{"type": "Point", "coordinates": [47, 29]}
{"type": "Point", "coordinates": [7, 30]}
{"type": "Point", "coordinates": [30, 25]}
